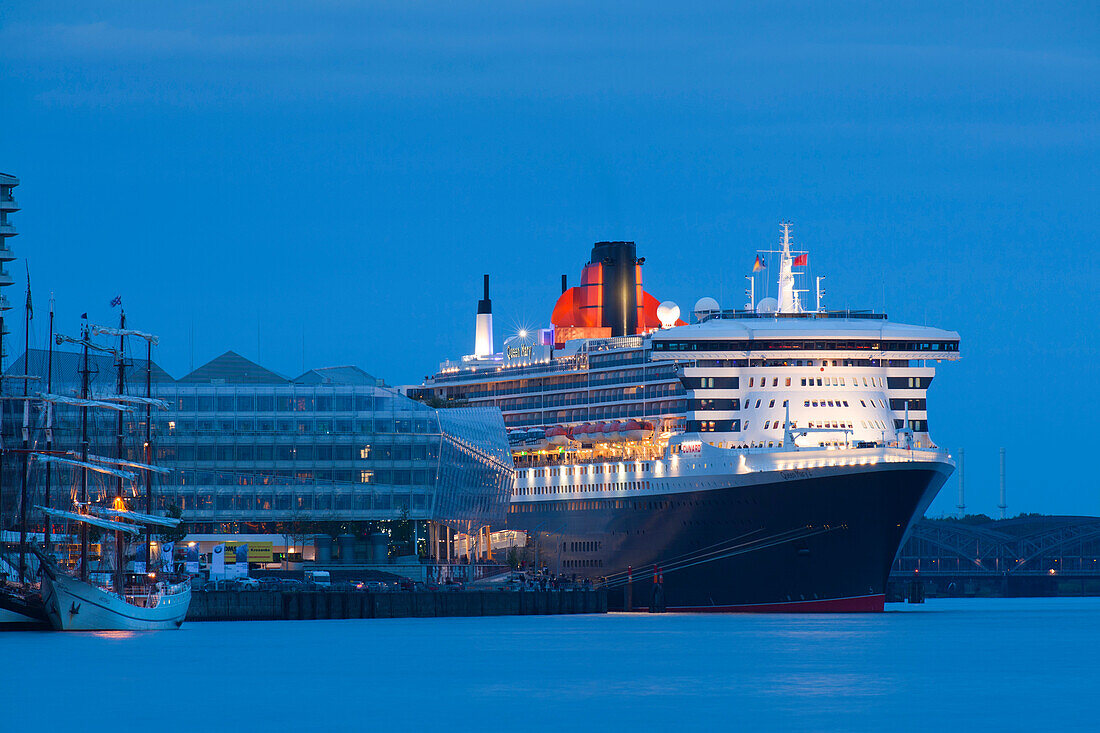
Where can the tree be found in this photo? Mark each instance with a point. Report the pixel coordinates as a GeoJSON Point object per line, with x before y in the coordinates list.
{"type": "Point", "coordinates": [296, 530]}
{"type": "Point", "coordinates": [513, 558]}
{"type": "Point", "coordinates": [402, 529]}
{"type": "Point", "coordinates": [439, 403]}
{"type": "Point", "coordinates": [177, 533]}
{"type": "Point", "coordinates": [329, 525]}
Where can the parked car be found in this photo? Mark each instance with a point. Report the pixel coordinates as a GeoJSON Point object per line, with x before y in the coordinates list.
{"type": "Point", "coordinates": [248, 584]}
{"type": "Point", "coordinates": [375, 586]}
{"type": "Point", "coordinates": [291, 584]}
{"type": "Point", "coordinates": [268, 583]}
{"type": "Point", "coordinates": [318, 577]}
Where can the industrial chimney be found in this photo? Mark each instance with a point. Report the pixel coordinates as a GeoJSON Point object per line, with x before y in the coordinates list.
{"type": "Point", "coordinates": [483, 337]}
{"type": "Point", "coordinates": [1004, 502]}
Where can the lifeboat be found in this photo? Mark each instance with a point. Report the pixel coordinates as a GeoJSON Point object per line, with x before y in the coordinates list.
{"type": "Point", "coordinates": [638, 430]}
{"type": "Point", "coordinates": [557, 435]}
{"type": "Point", "coordinates": [615, 432]}
{"type": "Point", "coordinates": [532, 439]}
{"type": "Point", "coordinates": [535, 439]}
{"type": "Point", "coordinates": [599, 432]}
{"type": "Point", "coordinates": [581, 434]}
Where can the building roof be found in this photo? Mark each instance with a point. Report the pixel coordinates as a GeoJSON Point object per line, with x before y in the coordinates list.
{"type": "Point", "coordinates": [232, 368]}
{"type": "Point", "coordinates": [66, 371]}
{"type": "Point", "coordinates": [229, 368]}
{"type": "Point", "coordinates": [352, 375]}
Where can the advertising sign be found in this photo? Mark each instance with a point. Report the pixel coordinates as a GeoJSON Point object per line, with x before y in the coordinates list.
{"type": "Point", "coordinates": [166, 560]}
{"type": "Point", "coordinates": [139, 560]}
{"type": "Point", "coordinates": [240, 567]}
{"type": "Point", "coordinates": [217, 561]}
{"type": "Point", "coordinates": [192, 558]}
{"type": "Point", "coordinates": [257, 551]}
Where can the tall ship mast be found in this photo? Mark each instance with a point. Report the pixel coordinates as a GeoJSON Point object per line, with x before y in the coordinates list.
{"type": "Point", "coordinates": [114, 593]}
{"type": "Point", "coordinates": [767, 458]}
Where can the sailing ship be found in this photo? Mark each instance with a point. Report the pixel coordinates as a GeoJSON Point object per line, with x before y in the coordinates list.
{"type": "Point", "coordinates": [79, 599]}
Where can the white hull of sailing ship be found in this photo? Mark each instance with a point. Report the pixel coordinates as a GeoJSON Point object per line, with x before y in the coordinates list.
{"type": "Point", "coordinates": [11, 619]}
{"type": "Point", "coordinates": [73, 605]}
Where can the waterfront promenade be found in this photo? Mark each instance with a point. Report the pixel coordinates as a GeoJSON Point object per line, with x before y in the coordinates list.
{"type": "Point", "coordinates": [260, 605]}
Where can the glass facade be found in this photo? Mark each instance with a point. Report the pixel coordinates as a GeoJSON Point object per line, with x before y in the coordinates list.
{"type": "Point", "coordinates": [264, 452]}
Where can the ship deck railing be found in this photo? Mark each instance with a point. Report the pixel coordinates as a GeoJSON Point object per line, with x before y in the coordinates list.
{"type": "Point", "coordinates": [761, 459]}
{"type": "Point", "coordinates": [564, 459]}
{"type": "Point", "coordinates": [786, 459]}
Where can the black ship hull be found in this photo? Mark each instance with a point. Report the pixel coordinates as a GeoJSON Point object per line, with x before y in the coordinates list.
{"type": "Point", "coordinates": [817, 544]}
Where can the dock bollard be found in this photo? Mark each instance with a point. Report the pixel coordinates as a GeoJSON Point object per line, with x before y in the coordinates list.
{"type": "Point", "coordinates": [629, 605]}
{"type": "Point", "coordinates": [657, 601]}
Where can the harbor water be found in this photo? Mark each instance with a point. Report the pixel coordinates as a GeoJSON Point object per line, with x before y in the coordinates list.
{"type": "Point", "coordinates": [974, 664]}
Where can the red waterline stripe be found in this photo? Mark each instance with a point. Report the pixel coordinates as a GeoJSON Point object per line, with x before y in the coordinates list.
{"type": "Point", "coordinates": [857, 604]}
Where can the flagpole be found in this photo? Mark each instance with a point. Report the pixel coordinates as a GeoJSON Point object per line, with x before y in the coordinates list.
{"type": "Point", "coordinates": [120, 387]}
{"type": "Point", "coordinates": [28, 313]}
{"type": "Point", "coordinates": [148, 450]}
{"type": "Point", "coordinates": [2, 450]}
{"type": "Point", "coordinates": [49, 425]}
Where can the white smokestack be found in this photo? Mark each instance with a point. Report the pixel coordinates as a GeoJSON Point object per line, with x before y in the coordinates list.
{"type": "Point", "coordinates": [483, 336]}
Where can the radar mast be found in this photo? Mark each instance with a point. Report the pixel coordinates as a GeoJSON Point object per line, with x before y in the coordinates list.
{"type": "Point", "coordinates": [788, 297]}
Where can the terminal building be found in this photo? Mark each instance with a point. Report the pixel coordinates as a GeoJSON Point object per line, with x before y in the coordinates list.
{"type": "Point", "coordinates": [257, 456]}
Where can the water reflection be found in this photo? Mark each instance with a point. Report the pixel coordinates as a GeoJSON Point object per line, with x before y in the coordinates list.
{"type": "Point", "coordinates": [114, 634]}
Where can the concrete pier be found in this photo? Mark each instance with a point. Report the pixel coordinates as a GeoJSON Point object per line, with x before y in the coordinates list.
{"type": "Point", "coordinates": [259, 605]}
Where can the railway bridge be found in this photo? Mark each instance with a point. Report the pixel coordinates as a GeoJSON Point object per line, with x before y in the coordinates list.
{"type": "Point", "coordinates": [1029, 555]}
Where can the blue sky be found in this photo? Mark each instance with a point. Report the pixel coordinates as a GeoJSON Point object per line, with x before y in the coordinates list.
{"type": "Point", "coordinates": [334, 178]}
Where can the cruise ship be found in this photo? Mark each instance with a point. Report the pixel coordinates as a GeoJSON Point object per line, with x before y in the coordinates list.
{"type": "Point", "coordinates": [765, 458]}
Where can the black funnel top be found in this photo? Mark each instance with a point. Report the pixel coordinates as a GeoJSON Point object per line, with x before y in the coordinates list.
{"type": "Point", "coordinates": [485, 305]}
{"type": "Point", "coordinates": [620, 285]}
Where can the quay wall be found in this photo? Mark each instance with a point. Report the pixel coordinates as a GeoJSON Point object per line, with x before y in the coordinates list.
{"type": "Point", "coordinates": [260, 605]}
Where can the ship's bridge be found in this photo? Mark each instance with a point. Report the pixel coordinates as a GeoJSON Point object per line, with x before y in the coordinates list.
{"type": "Point", "coordinates": [844, 334]}
{"type": "Point", "coordinates": [838, 377]}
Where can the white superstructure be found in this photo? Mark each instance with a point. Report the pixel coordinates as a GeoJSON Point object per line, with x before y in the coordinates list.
{"type": "Point", "coordinates": [771, 376]}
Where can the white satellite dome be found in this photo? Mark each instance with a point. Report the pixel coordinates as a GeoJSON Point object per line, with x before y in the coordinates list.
{"type": "Point", "coordinates": [705, 305]}
{"type": "Point", "coordinates": [668, 313]}
{"type": "Point", "coordinates": [767, 305]}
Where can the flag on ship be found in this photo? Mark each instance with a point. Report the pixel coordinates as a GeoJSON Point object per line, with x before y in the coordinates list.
{"type": "Point", "coordinates": [117, 300]}
{"type": "Point", "coordinates": [30, 305]}
{"type": "Point", "coordinates": [759, 264]}
{"type": "Point", "coordinates": [801, 261]}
